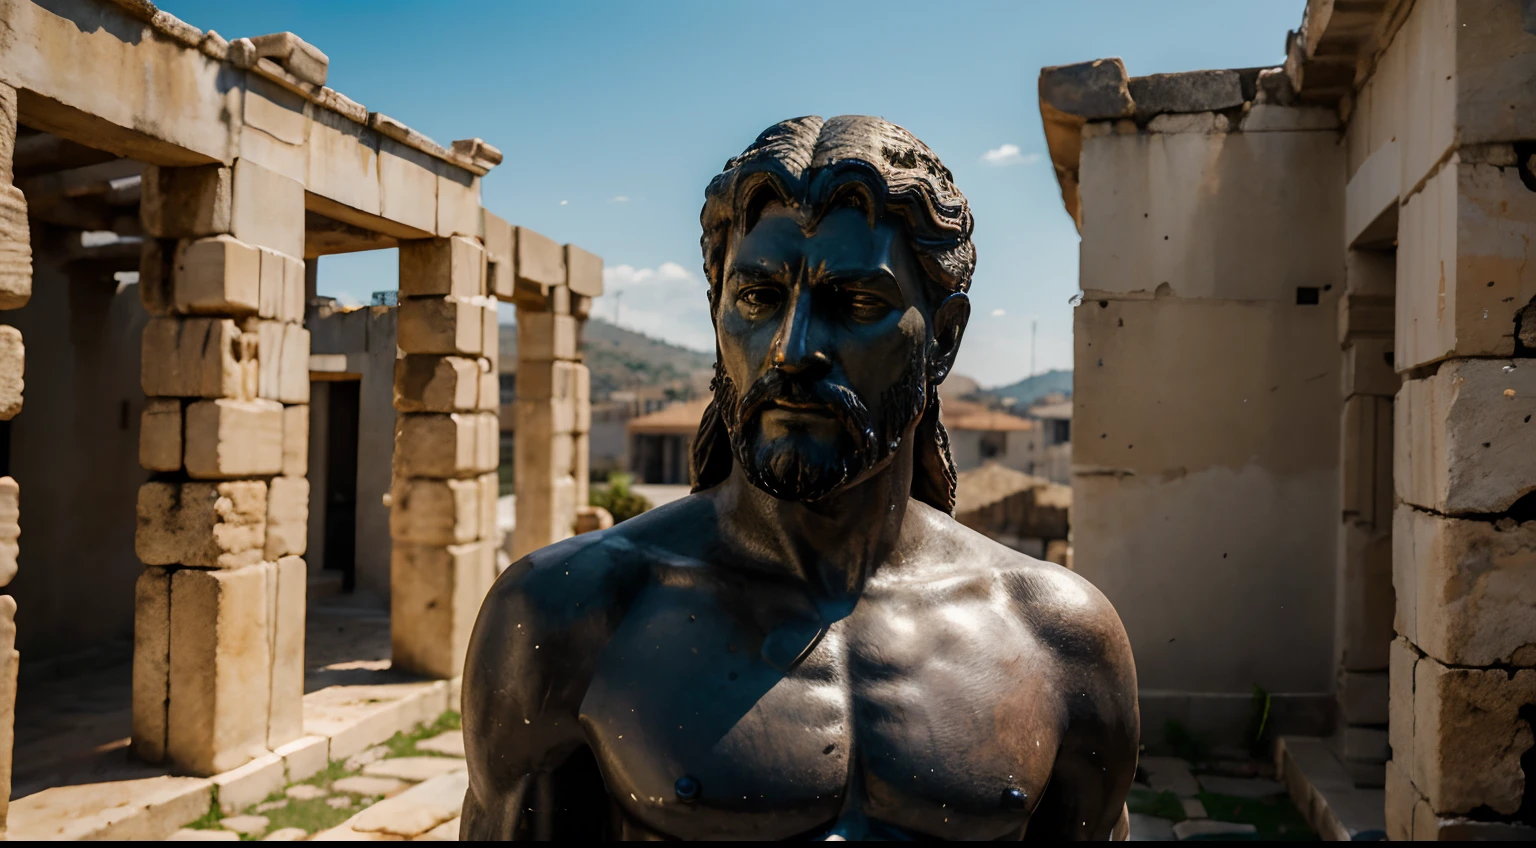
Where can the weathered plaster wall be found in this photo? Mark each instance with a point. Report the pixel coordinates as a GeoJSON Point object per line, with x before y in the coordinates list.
{"type": "Point", "coordinates": [1206, 410]}
{"type": "Point", "coordinates": [75, 453]}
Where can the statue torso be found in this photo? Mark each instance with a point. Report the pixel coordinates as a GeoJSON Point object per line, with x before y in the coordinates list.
{"type": "Point", "coordinates": [919, 711]}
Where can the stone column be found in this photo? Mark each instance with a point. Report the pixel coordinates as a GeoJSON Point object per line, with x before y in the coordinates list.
{"type": "Point", "coordinates": [443, 503]}
{"type": "Point", "coordinates": [1363, 619]}
{"type": "Point", "coordinates": [15, 289]}
{"type": "Point", "coordinates": [1463, 668]}
{"type": "Point", "coordinates": [553, 292]}
{"type": "Point", "coordinates": [218, 674]}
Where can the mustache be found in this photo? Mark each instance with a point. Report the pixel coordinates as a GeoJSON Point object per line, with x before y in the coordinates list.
{"type": "Point", "coordinates": [841, 402]}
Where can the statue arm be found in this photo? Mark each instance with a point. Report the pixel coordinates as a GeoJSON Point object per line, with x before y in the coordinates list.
{"type": "Point", "coordinates": [530, 658]}
{"type": "Point", "coordinates": [1096, 761]}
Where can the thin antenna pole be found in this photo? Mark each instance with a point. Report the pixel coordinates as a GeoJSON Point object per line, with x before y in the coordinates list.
{"type": "Point", "coordinates": [618, 307]}
{"type": "Point", "coordinates": [1034, 326]}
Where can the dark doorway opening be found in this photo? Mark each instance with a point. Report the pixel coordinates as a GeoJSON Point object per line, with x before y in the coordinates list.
{"type": "Point", "coordinates": [341, 480]}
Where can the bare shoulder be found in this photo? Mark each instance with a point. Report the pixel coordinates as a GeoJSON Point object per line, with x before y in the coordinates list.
{"type": "Point", "coordinates": [1066, 613]}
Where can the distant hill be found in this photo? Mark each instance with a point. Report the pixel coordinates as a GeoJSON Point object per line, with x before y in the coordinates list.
{"type": "Point", "coordinates": [625, 359]}
{"type": "Point", "coordinates": [1031, 389]}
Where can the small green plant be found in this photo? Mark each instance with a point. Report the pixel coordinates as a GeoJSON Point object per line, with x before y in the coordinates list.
{"type": "Point", "coordinates": [1259, 722]}
{"type": "Point", "coordinates": [619, 499]}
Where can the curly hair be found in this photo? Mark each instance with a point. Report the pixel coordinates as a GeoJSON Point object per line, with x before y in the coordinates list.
{"type": "Point", "coordinates": [812, 166]}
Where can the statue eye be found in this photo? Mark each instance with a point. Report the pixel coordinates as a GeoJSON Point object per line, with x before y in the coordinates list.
{"type": "Point", "coordinates": [865, 305]}
{"type": "Point", "coordinates": [761, 296]}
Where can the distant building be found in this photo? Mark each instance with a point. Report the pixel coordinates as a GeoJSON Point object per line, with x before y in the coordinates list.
{"type": "Point", "coordinates": [1054, 419]}
{"type": "Point", "coordinates": [978, 435]}
{"type": "Point", "coordinates": [660, 442]}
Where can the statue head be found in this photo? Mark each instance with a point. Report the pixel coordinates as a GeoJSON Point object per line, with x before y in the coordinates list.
{"type": "Point", "coordinates": [838, 254]}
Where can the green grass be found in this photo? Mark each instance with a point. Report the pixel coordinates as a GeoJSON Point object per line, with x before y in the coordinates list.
{"type": "Point", "coordinates": [315, 815]}
{"type": "Point", "coordinates": [1275, 817]}
{"type": "Point", "coordinates": [1164, 805]}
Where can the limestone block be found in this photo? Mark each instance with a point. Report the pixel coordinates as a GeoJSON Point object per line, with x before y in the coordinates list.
{"type": "Point", "coordinates": [1366, 600]}
{"type": "Point", "coordinates": [218, 275]}
{"type": "Point", "coordinates": [282, 287]}
{"type": "Point", "coordinates": [490, 387]}
{"type": "Point", "coordinates": [542, 420]}
{"type": "Point", "coordinates": [442, 267]}
{"type": "Point", "coordinates": [10, 665]}
{"type": "Point", "coordinates": [1474, 586]}
{"type": "Point", "coordinates": [285, 721]}
{"type": "Point", "coordinates": [7, 132]}
{"type": "Point", "coordinates": [287, 517]}
{"type": "Point", "coordinates": [343, 161]}
{"type": "Point", "coordinates": [1370, 272]}
{"type": "Point", "coordinates": [540, 263]}
{"type": "Point", "coordinates": [583, 272]}
{"type": "Point", "coordinates": [1404, 659]}
{"type": "Point", "coordinates": [487, 441]}
{"type": "Point", "coordinates": [1368, 368]}
{"type": "Point", "coordinates": [1462, 437]}
{"type": "Point", "coordinates": [13, 355]}
{"type": "Point", "coordinates": [441, 325]}
{"type": "Point", "coordinates": [10, 528]}
{"type": "Point", "coordinates": [1469, 736]}
{"type": "Point", "coordinates": [1207, 123]}
{"type": "Point", "coordinates": [581, 467]}
{"type": "Point", "coordinates": [191, 357]}
{"type": "Point", "coordinates": [581, 378]}
{"type": "Point", "coordinates": [435, 512]}
{"type": "Point", "coordinates": [490, 491]}
{"type": "Point", "coordinates": [1426, 123]}
{"type": "Point", "coordinates": [458, 201]}
{"type": "Point", "coordinates": [1095, 90]}
{"type": "Point", "coordinates": [1401, 798]}
{"type": "Point", "coordinates": [407, 186]}
{"type": "Point", "coordinates": [547, 380]}
{"type": "Point", "coordinates": [1366, 460]}
{"type": "Point", "coordinates": [214, 525]}
{"type": "Point", "coordinates": [490, 331]}
{"type": "Point", "coordinates": [151, 662]}
{"type": "Point", "coordinates": [160, 435]}
{"type": "Point", "coordinates": [442, 445]}
{"type": "Point", "coordinates": [295, 55]}
{"type": "Point", "coordinates": [1466, 264]}
{"type": "Point", "coordinates": [283, 357]}
{"type": "Point", "coordinates": [15, 248]}
{"type": "Point", "coordinates": [267, 208]}
{"type": "Point", "coordinates": [545, 515]}
{"type": "Point", "coordinates": [1269, 117]}
{"type": "Point", "coordinates": [1195, 91]}
{"type": "Point", "coordinates": [220, 668]}
{"type": "Point", "coordinates": [434, 597]}
{"type": "Point", "coordinates": [500, 252]}
{"type": "Point", "coordinates": [186, 202]}
{"type": "Point", "coordinates": [1364, 697]}
{"type": "Point", "coordinates": [1361, 744]}
{"type": "Point", "coordinates": [1364, 316]}
{"type": "Point", "coordinates": [296, 440]}
{"type": "Point", "coordinates": [226, 439]}
{"type": "Point", "coordinates": [156, 262]}
{"type": "Point", "coordinates": [426, 383]}
{"type": "Point", "coordinates": [542, 336]}
{"type": "Point", "coordinates": [1495, 76]}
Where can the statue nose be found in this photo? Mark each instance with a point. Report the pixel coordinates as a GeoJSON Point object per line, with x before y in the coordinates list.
{"type": "Point", "coordinates": [798, 348]}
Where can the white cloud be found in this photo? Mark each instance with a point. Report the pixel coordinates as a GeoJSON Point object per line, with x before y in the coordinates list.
{"type": "Point", "coordinates": [998, 313]}
{"type": "Point", "coordinates": [564, 202]}
{"type": "Point", "coordinates": [1009, 154]}
{"type": "Point", "coordinates": [667, 302]}
{"type": "Point", "coordinates": [618, 198]}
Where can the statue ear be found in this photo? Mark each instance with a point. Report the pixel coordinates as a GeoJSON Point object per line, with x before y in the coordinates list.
{"type": "Point", "coordinates": [949, 322]}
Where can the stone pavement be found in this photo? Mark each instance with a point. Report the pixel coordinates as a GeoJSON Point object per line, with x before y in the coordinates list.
{"type": "Point", "coordinates": [1222, 800]}
{"type": "Point", "coordinates": [410, 788]}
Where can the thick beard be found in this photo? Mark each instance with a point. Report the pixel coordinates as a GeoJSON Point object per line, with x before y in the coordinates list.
{"type": "Point", "coordinates": [789, 471]}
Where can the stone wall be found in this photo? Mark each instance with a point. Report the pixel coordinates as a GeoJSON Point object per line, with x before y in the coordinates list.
{"type": "Point", "coordinates": [1205, 422]}
{"type": "Point", "coordinates": [1440, 138]}
{"type": "Point", "coordinates": [15, 290]}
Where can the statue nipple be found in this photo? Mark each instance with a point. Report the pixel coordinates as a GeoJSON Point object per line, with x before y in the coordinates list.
{"type": "Point", "coordinates": [1014, 799]}
{"type": "Point", "coordinates": [687, 789]}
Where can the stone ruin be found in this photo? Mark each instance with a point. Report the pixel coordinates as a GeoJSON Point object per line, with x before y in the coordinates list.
{"type": "Point", "coordinates": [220, 171]}
{"type": "Point", "coordinates": [1304, 395]}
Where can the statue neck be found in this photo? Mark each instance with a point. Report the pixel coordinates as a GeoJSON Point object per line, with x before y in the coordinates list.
{"type": "Point", "coordinates": [833, 545]}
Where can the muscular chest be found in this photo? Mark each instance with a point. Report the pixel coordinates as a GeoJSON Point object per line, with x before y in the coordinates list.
{"type": "Point", "coordinates": [935, 718]}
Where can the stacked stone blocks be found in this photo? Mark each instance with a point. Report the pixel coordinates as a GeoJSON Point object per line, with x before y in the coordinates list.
{"type": "Point", "coordinates": [1463, 666]}
{"type": "Point", "coordinates": [443, 503]}
{"type": "Point", "coordinates": [15, 290]}
{"type": "Point", "coordinates": [222, 523]}
{"type": "Point", "coordinates": [552, 288]}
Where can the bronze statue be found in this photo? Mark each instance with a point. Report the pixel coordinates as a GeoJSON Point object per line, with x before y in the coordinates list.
{"type": "Point", "coordinates": [808, 646]}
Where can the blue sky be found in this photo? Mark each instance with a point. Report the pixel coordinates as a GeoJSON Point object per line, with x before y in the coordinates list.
{"type": "Point", "coordinates": [614, 116]}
